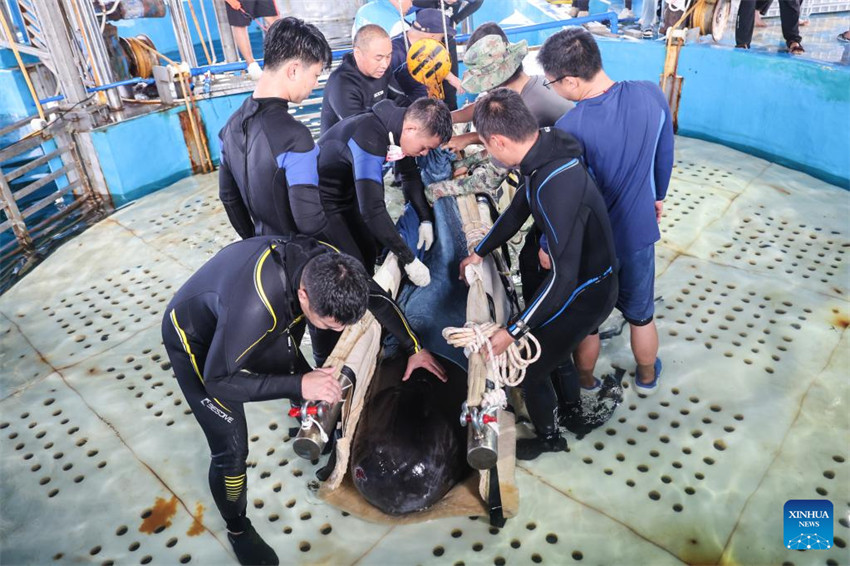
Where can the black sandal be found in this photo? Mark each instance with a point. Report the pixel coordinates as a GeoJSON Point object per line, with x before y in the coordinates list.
{"type": "Point", "coordinates": [794, 48]}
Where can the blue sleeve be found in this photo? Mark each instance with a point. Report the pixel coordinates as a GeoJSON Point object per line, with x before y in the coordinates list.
{"type": "Point", "coordinates": [369, 187]}
{"type": "Point", "coordinates": [663, 163]}
{"type": "Point", "coordinates": [300, 167]}
{"type": "Point", "coordinates": [302, 179]}
{"type": "Point", "coordinates": [366, 165]}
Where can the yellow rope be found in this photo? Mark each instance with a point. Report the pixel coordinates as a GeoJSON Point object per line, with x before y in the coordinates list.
{"type": "Point", "coordinates": [13, 45]}
{"type": "Point", "coordinates": [209, 33]}
{"type": "Point", "coordinates": [200, 33]}
{"type": "Point", "coordinates": [202, 147]}
{"type": "Point", "coordinates": [157, 53]}
{"type": "Point", "coordinates": [95, 75]}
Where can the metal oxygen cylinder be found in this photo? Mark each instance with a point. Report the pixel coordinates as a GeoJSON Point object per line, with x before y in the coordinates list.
{"type": "Point", "coordinates": [482, 444]}
{"type": "Point", "coordinates": [319, 419]}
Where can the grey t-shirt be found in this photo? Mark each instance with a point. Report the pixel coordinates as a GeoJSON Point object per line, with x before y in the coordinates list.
{"type": "Point", "coordinates": [544, 104]}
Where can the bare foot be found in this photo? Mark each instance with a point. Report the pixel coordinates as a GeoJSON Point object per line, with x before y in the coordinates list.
{"type": "Point", "coordinates": [760, 22]}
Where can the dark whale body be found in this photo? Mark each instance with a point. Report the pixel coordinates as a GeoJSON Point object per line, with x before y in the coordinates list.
{"type": "Point", "coordinates": [409, 449]}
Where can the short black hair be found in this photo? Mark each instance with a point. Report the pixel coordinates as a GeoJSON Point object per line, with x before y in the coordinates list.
{"type": "Point", "coordinates": [487, 28]}
{"type": "Point", "coordinates": [572, 53]}
{"type": "Point", "coordinates": [291, 38]}
{"type": "Point", "coordinates": [337, 286]}
{"type": "Point", "coordinates": [502, 111]}
{"type": "Point", "coordinates": [433, 115]}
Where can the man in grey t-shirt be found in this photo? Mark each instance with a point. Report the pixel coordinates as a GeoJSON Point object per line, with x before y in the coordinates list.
{"type": "Point", "coordinates": [492, 62]}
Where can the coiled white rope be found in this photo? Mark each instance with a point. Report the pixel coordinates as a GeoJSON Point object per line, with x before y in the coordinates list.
{"type": "Point", "coordinates": [506, 369]}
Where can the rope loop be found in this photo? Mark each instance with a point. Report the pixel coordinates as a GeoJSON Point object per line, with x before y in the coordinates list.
{"type": "Point", "coordinates": [506, 369]}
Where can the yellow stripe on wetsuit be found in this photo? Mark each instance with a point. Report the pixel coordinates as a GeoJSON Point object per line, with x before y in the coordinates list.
{"type": "Point", "coordinates": [416, 346]}
{"type": "Point", "coordinates": [233, 486]}
{"type": "Point", "coordinates": [258, 286]}
{"type": "Point", "coordinates": [185, 341]}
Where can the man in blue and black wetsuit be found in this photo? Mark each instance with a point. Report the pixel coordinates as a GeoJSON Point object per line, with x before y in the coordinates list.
{"type": "Point", "coordinates": [351, 179]}
{"type": "Point", "coordinates": [580, 291]}
{"type": "Point", "coordinates": [627, 133]}
{"type": "Point", "coordinates": [362, 79]}
{"type": "Point", "coordinates": [232, 334]}
{"type": "Point", "coordinates": [267, 179]}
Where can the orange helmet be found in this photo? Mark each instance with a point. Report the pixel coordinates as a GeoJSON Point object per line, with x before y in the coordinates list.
{"type": "Point", "coordinates": [429, 63]}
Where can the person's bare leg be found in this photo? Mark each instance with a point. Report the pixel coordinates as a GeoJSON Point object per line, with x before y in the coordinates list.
{"type": "Point", "coordinates": [759, 22]}
{"type": "Point", "coordinates": [645, 349]}
{"type": "Point", "coordinates": [270, 20]}
{"type": "Point", "coordinates": [585, 358]}
{"type": "Point", "coordinates": [243, 43]}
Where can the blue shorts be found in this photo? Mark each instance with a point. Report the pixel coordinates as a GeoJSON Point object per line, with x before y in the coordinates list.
{"type": "Point", "coordinates": [637, 286]}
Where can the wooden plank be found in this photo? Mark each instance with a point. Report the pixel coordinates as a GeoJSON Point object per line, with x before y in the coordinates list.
{"type": "Point", "coordinates": [33, 187]}
{"type": "Point", "coordinates": [40, 53]}
{"type": "Point", "coordinates": [48, 200]}
{"type": "Point", "coordinates": [14, 126]}
{"type": "Point", "coordinates": [45, 227]}
{"type": "Point", "coordinates": [34, 164]}
{"type": "Point", "coordinates": [20, 147]}
{"type": "Point", "coordinates": [13, 213]}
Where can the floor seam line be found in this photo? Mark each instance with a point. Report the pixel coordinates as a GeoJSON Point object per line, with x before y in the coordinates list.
{"type": "Point", "coordinates": [600, 511]}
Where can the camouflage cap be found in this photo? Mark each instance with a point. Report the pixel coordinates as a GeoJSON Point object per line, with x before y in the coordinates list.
{"type": "Point", "coordinates": [491, 61]}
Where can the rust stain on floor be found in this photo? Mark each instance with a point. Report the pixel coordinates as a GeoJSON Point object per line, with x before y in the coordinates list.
{"type": "Point", "coordinates": [159, 516]}
{"type": "Point", "coordinates": [197, 525]}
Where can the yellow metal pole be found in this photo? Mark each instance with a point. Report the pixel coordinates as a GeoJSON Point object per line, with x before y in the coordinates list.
{"type": "Point", "coordinates": [26, 74]}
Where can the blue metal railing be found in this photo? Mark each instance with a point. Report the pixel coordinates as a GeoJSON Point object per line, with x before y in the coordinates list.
{"type": "Point", "coordinates": [610, 17]}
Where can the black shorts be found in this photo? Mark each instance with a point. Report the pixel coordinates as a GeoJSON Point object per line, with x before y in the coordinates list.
{"type": "Point", "coordinates": [250, 9]}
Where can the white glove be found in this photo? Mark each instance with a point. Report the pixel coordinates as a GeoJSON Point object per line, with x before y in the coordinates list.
{"type": "Point", "coordinates": [418, 273]}
{"type": "Point", "coordinates": [254, 71]}
{"type": "Point", "coordinates": [426, 235]}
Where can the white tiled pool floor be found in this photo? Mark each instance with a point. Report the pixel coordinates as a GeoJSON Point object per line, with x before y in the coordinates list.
{"type": "Point", "coordinates": [753, 281]}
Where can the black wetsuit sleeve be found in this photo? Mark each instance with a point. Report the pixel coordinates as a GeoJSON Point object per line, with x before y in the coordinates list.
{"type": "Point", "coordinates": [297, 160]}
{"type": "Point", "coordinates": [369, 186]}
{"type": "Point", "coordinates": [389, 315]}
{"type": "Point", "coordinates": [245, 386]}
{"type": "Point", "coordinates": [563, 220]}
{"type": "Point", "coordinates": [225, 376]}
{"type": "Point", "coordinates": [231, 198]}
{"type": "Point", "coordinates": [508, 224]}
{"type": "Point", "coordinates": [414, 188]}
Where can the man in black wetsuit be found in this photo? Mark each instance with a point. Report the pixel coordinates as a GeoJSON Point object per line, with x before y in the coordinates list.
{"type": "Point", "coordinates": [351, 179]}
{"type": "Point", "coordinates": [580, 291]}
{"type": "Point", "coordinates": [267, 178]}
{"type": "Point", "coordinates": [231, 333]}
{"type": "Point", "coordinates": [362, 79]}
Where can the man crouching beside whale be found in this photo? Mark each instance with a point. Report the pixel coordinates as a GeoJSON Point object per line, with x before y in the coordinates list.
{"type": "Point", "coordinates": [581, 288]}
{"type": "Point", "coordinates": [232, 334]}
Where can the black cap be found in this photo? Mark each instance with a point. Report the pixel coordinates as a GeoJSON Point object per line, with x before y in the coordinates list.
{"type": "Point", "coordinates": [430, 20]}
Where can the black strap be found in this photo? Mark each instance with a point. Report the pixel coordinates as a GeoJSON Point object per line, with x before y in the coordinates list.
{"type": "Point", "coordinates": [497, 518]}
{"type": "Point", "coordinates": [278, 248]}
